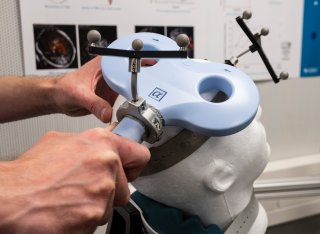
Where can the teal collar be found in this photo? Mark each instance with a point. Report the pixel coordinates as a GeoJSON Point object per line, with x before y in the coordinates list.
{"type": "Point", "coordinates": [168, 220]}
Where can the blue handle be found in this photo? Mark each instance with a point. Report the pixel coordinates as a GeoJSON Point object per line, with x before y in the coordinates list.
{"type": "Point", "coordinates": [130, 128]}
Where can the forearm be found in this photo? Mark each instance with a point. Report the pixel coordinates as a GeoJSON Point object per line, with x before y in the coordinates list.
{"type": "Point", "coordinates": [76, 93]}
{"type": "Point", "coordinates": [24, 97]}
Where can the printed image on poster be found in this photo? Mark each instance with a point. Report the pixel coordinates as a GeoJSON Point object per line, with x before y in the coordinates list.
{"type": "Point", "coordinates": [154, 29]}
{"type": "Point", "coordinates": [108, 35]}
{"type": "Point", "coordinates": [173, 32]}
{"type": "Point", "coordinates": [55, 46]}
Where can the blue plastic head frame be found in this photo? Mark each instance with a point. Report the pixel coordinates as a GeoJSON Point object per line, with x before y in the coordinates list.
{"type": "Point", "coordinates": [181, 89]}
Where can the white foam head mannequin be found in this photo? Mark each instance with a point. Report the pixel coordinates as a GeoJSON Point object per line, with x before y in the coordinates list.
{"type": "Point", "coordinates": [216, 181]}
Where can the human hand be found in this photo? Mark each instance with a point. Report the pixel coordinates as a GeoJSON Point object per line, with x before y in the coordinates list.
{"type": "Point", "coordinates": [68, 183]}
{"type": "Point", "coordinates": [84, 91]}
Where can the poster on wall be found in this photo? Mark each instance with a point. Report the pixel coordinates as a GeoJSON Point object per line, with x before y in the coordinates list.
{"type": "Point", "coordinates": [283, 43]}
{"type": "Point", "coordinates": [55, 31]}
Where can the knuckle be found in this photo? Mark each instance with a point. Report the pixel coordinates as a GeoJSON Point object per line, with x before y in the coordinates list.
{"type": "Point", "coordinates": [101, 135]}
{"type": "Point", "coordinates": [107, 187]}
{"type": "Point", "coordinates": [102, 161]}
{"type": "Point", "coordinates": [109, 160]}
{"type": "Point", "coordinates": [93, 214]}
{"type": "Point", "coordinates": [112, 159]}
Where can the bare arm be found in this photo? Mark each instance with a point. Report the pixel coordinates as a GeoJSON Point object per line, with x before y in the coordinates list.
{"type": "Point", "coordinates": [76, 93]}
{"type": "Point", "coordinates": [66, 182]}
{"type": "Point", "coordinates": [22, 97]}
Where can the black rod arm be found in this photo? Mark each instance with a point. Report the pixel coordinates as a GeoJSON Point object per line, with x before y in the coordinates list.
{"type": "Point", "coordinates": [137, 54]}
{"type": "Point", "coordinates": [257, 46]}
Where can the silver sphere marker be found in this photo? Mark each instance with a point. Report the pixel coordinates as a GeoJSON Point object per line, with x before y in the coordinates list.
{"type": "Point", "coordinates": [246, 14]}
{"type": "Point", "coordinates": [264, 31]}
{"type": "Point", "coordinates": [137, 44]}
{"type": "Point", "coordinates": [182, 40]}
{"type": "Point", "coordinates": [93, 36]}
{"type": "Point", "coordinates": [284, 75]}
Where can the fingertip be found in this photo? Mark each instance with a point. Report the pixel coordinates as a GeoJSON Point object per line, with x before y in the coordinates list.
{"type": "Point", "coordinates": [147, 153]}
{"type": "Point", "coordinates": [96, 59]}
{"type": "Point", "coordinates": [112, 126]}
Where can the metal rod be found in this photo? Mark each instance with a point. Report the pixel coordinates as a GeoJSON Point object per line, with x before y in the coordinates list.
{"type": "Point", "coordinates": [243, 53]}
{"type": "Point", "coordinates": [134, 79]}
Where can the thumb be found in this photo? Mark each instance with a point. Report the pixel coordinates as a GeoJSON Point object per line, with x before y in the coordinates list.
{"type": "Point", "coordinates": [100, 108]}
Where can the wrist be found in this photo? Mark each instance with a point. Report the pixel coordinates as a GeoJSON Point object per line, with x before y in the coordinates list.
{"type": "Point", "coordinates": [51, 94]}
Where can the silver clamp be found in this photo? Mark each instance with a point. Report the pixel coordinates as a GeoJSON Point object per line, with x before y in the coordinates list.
{"type": "Point", "coordinates": [149, 116]}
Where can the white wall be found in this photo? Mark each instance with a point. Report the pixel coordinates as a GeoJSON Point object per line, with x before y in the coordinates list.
{"type": "Point", "coordinates": [291, 114]}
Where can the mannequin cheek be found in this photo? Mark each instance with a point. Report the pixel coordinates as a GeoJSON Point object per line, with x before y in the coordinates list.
{"type": "Point", "coordinates": [219, 176]}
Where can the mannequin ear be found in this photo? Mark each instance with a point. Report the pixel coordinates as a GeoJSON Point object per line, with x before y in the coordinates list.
{"type": "Point", "coordinates": [219, 176]}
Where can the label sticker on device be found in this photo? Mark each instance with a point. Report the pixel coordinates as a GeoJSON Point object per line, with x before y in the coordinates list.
{"type": "Point", "coordinates": [157, 94]}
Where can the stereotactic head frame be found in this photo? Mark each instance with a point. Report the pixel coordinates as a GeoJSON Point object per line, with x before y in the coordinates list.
{"type": "Point", "coordinates": [255, 39]}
